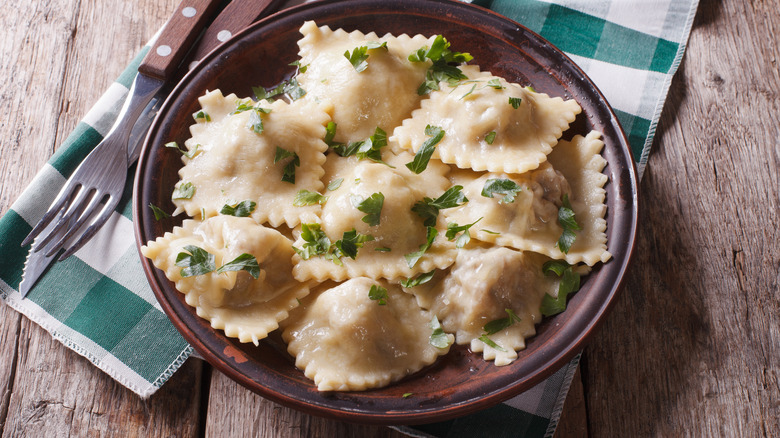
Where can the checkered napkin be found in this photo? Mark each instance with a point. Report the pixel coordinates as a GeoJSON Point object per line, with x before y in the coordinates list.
{"type": "Point", "coordinates": [99, 304]}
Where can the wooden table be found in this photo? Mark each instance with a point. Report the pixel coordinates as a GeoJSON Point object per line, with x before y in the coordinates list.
{"type": "Point", "coordinates": [691, 348]}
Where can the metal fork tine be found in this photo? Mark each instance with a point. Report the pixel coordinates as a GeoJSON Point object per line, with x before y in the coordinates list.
{"type": "Point", "coordinates": [94, 201]}
{"type": "Point", "coordinates": [68, 216]}
{"type": "Point", "coordinates": [93, 227]}
{"type": "Point", "coordinates": [58, 206]}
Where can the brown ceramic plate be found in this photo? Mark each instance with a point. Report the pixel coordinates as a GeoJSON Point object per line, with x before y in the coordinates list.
{"type": "Point", "coordinates": [460, 382]}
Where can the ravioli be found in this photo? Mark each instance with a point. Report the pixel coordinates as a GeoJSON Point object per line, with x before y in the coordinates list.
{"type": "Point", "coordinates": [233, 162]}
{"type": "Point", "coordinates": [345, 341]}
{"type": "Point", "coordinates": [490, 124]}
{"type": "Point", "coordinates": [382, 95]}
{"type": "Point", "coordinates": [244, 307]}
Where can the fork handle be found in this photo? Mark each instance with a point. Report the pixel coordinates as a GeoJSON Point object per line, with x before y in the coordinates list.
{"type": "Point", "coordinates": [177, 37]}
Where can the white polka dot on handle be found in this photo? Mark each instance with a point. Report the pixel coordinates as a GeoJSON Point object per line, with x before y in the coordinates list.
{"type": "Point", "coordinates": [189, 12]}
{"type": "Point", "coordinates": [224, 35]}
{"type": "Point", "coordinates": [164, 50]}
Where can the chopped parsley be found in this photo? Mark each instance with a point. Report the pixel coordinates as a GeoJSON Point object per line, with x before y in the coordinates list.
{"type": "Point", "coordinates": [423, 155]}
{"type": "Point", "coordinates": [244, 262]}
{"type": "Point", "coordinates": [515, 102]}
{"type": "Point", "coordinates": [379, 294]}
{"type": "Point", "coordinates": [473, 87]}
{"type": "Point", "coordinates": [183, 191]}
{"type": "Point", "coordinates": [444, 64]}
{"type": "Point", "coordinates": [500, 324]}
{"type": "Point", "coordinates": [501, 186]}
{"type": "Point", "coordinates": [201, 115]}
{"type": "Point", "coordinates": [439, 338]}
{"type": "Point", "coordinates": [335, 184]}
{"type": "Point", "coordinates": [413, 257]}
{"type": "Point", "coordinates": [291, 88]}
{"type": "Point", "coordinates": [495, 83]}
{"type": "Point", "coordinates": [288, 172]}
{"type": "Point", "coordinates": [372, 206]}
{"type": "Point", "coordinates": [158, 212]}
{"type": "Point", "coordinates": [489, 342]}
{"type": "Point", "coordinates": [568, 223]}
{"type": "Point", "coordinates": [418, 280]}
{"type": "Point", "coordinates": [369, 148]}
{"type": "Point", "coordinates": [316, 242]}
{"type": "Point", "coordinates": [490, 137]}
{"type": "Point", "coordinates": [197, 262]}
{"type": "Point", "coordinates": [453, 229]}
{"type": "Point", "coordinates": [407, 394]}
{"type": "Point", "coordinates": [350, 242]}
{"type": "Point", "coordinates": [570, 282]}
{"type": "Point", "coordinates": [428, 209]}
{"type": "Point", "coordinates": [241, 209]}
{"type": "Point", "coordinates": [306, 197]}
{"type": "Point", "coordinates": [187, 153]}
{"type": "Point", "coordinates": [359, 57]}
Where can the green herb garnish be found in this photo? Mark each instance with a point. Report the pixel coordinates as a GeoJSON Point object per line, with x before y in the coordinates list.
{"type": "Point", "coordinates": [183, 191]}
{"type": "Point", "coordinates": [158, 212]}
{"type": "Point", "coordinates": [490, 343]}
{"type": "Point", "coordinates": [501, 186]}
{"type": "Point", "coordinates": [515, 102]}
{"type": "Point", "coordinates": [453, 229]}
{"type": "Point", "coordinates": [490, 137]}
{"type": "Point", "coordinates": [358, 58]}
{"type": "Point", "coordinates": [241, 209]}
{"type": "Point", "coordinates": [570, 282]}
{"type": "Point", "coordinates": [428, 209]}
{"type": "Point", "coordinates": [423, 155]}
{"type": "Point", "coordinates": [418, 280]}
{"type": "Point", "coordinates": [439, 337]}
{"type": "Point", "coordinates": [413, 257]}
{"type": "Point", "coordinates": [568, 223]}
{"type": "Point", "coordinates": [372, 206]}
{"type": "Point", "coordinates": [197, 262]}
{"type": "Point", "coordinates": [316, 242]}
{"type": "Point", "coordinates": [497, 325]}
{"type": "Point", "coordinates": [379, 294]}
{"type": "Point", "coordinates": [202, 115]}
{"type": "Point", "coordinates": [187, 153]}
{"type": "Point", "coordinates": [350, 242]}
{"type": "Point", "coordinates": [244, 262]}
{"type": "Point", "coordinates": [495, 83]}
{"type": "Point", "coordinates": [444, 67]}
{"type": "Point", "coordinates": [306, 197]}
{"type": "Point", "coordinates": [335, 184]}
{"type": "Point", "coordinates": [288, 172]}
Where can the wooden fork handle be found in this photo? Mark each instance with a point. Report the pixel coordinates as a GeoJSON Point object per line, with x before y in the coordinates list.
{"type": "Point", "coordinates": [177, 37]}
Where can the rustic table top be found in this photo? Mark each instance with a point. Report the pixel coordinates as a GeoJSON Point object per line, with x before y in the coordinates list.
{"type": "Point", "coordinates": [691, 347]}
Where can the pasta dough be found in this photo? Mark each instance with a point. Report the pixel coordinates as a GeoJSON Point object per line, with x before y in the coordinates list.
{"type": "Point", "coordinates": [244, 307]}
{"type": "Point", "coordinates": [345, 341]}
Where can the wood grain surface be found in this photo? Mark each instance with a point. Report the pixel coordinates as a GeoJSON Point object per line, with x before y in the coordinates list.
{"type": "Point", "coordinates": [690, 349]}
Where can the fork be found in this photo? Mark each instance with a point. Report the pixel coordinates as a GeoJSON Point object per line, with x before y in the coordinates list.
{"type": "Point", "coordinates": [93, 191]}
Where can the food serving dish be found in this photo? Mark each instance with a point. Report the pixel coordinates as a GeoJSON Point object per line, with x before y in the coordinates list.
{"type": "Point", "coordinates": [460, 382]}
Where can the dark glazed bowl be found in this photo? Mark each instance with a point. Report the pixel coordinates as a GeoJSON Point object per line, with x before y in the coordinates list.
{"type": "Point", "coordinates": [460, 382]}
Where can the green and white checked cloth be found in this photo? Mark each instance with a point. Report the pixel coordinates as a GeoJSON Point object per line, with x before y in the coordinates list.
{"type": "Point", "coordinates": [99, 304]}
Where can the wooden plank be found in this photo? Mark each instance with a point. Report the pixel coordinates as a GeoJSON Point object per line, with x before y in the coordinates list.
{"type": "Point", "coordinates": [234, 411]}
{"type": "Point", "coordinates": [58, 57]}
{"type": "Point", "coordinates": [691, 346]}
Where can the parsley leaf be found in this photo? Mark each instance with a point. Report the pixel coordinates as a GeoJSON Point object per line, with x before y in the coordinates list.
{"type": "Point", "coordinates": [413, 257]}
{"type": "Point", "coordinates": [241, 209]}
{"type": "Point", "coordinates": [316, 241]}
{"type": "Point", "coordinates": [335, 184]}
{"type": "Point", "coordinates": [372, 206]}
{"type": "Point", "coordinates": [359, 56]}
{"type": "Point", "coordinates": [495, 83]}
{"type": "Point", "coordinates": [570, 282]}
{"type": "Point", "coordinates": [369, 148]}
{"type": "Point", "coordinates": [489, 342]}
{"type": "Point", "coordinates": [568, 223]}
{"type": "Point", "coordinates": [350, 242]}
{"type": "Point", "coordinates": [407, 394]}
{"type": "Point", "coordinates": [515, 102]}
{"type": "Point", "coordinates": [439, 338]}
{"type": "Point", "coordinates": [418, 280]}
{"type": "Point", "coordinates": [501, 186]}
{"type": "Point", "coordinates": [442, 68]}
{"type": "Point", "coordinates": [330, 132]}
{"type": "Point", "coordinates": [187, 153]}
{"type": "Point", "coordinates": [288, 172]}
{"type": "Point", "coordinates": [453, 229]}
{"type": "Point", "coordinates": [244, 262]}
{"type": "Point", "coordinates": [490, 137]}
{"type": "Point", "coordinates": [201, 115]}
{"type": "Point", "coordinates": [183, 191]}
{"type": "Point", "coordinates": [497, 325]}
{"type": "Point", "coordinates": [306, 197]}
{"type": "Point", "coordinates": [197, 262]}
{"type": "Point", "coordinates": [255, 122]}
{"type": "Point", "coordinates": [428, 209]}
{"type": "Point", "coordinates": [379, 294]}
{"type": "Point", "coordinates": [423, 155]}
{"type": "Point", "coordinates": [158, 212]}
{"type": "Point", "coordinates": [293, 89]}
